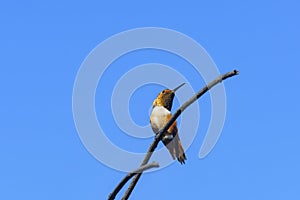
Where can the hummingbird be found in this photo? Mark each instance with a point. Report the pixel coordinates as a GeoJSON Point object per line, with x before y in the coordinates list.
{"type": "Point", "coordinates": [160, 115]}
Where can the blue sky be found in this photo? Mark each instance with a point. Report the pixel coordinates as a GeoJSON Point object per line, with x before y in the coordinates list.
{"type": "Point", "coordinates": [43, 45]}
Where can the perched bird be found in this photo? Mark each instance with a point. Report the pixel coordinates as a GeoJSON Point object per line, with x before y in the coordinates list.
{"type": "Point", "coordinates": [160, 115]}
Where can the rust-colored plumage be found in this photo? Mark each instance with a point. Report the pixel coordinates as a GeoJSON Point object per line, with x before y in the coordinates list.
{"type": "Point", "coordinates": [161, 114]}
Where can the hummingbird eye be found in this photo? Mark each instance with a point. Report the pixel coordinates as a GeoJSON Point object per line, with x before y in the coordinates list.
{"type": "Point", "coordinates": [163, 91]}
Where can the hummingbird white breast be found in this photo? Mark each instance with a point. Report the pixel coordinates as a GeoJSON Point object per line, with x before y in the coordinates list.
{"type": "Point", "coordinates": [158, 117]}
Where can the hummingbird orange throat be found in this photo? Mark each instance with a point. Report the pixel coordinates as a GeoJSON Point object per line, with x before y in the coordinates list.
{"type": "Point", "coordinates": [165, 98]}
{"type": "Point", "coordinates": [161, 114]}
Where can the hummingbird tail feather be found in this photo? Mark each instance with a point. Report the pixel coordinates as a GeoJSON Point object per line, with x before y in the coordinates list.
{"type": "Point", "coordinates": [175, 148]}
{"type": "Point", "coordinates": [181, 155]}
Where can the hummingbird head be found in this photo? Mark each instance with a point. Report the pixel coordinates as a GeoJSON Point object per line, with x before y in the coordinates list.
{"type": "Point", "coordinates": [165, 98]}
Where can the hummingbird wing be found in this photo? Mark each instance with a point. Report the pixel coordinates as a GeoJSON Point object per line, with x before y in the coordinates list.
{"type": "Point", "coordinates": [172, 141]}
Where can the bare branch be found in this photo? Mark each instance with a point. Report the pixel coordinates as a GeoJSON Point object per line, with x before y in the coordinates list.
{"type": "Point", "coordinates": [171, 121]}
{"type": "Point", "coordinates": [129, 176]}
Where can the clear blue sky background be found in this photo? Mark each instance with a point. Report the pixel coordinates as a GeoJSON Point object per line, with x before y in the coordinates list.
{"type": "Point", "coordinates": [43, 44]}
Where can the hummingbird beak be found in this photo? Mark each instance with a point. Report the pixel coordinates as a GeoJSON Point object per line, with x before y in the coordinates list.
{"type": "Point", "coordinates": [174, 90]}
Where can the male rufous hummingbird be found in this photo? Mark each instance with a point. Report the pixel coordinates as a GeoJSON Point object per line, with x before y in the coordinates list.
{"type": "Point", "coordinates": [161, 114]}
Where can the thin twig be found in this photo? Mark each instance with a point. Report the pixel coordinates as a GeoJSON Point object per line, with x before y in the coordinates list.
{"type": "Point", "coordinates": [171, 121]}
{"type": "Point", "coordinates": [129, 176]}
